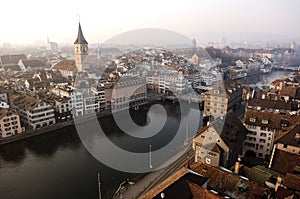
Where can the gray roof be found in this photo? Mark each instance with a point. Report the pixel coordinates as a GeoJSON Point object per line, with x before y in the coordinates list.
{"type": "Point", "coordinates": [80, 38]}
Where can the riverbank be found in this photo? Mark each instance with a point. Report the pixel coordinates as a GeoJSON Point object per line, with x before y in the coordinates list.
{"type": "Point", "coordinates": [59, 125]}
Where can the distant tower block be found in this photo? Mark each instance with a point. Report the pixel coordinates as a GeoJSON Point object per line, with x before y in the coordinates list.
{"type": "Point", "coordinates": [80, 49]}
{"type": "Point", "coordinates": [194, 43]}
{"type": "Point", "coordinates": [293, 45]}
{"type": "Point", "coordinates": [99, 52]}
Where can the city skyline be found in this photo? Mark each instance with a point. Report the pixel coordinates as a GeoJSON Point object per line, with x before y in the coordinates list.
{"type": "Point", "coordinates": [31, 21]}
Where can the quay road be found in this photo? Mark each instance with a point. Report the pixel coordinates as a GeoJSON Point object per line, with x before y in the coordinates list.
{"type": "Point", "coordinates": [150, 180]}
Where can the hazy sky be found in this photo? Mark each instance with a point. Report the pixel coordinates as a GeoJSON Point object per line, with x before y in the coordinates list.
{"type": "Point", "coordinates": [24, 21]}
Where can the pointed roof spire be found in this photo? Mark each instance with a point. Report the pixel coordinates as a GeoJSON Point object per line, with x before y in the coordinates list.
{"type": "Point", "coordinates": [80, 38]}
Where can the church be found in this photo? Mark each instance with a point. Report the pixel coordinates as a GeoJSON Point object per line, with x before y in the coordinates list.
{"type": "Point", "coordinates": [70, 68]}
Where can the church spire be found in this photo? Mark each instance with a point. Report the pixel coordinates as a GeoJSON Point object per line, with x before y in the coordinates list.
{"type": "Point", "coordinates": [80, 38]}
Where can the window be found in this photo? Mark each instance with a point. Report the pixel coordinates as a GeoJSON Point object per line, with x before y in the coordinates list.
{"type": "Point", "coordinates": [261, 146]}
{"type": "Point", "coordinates": [263, 134]}
{"type": "Point", "coordinates": [202, 136]}
{"type": "Point", "coordinates": [263, 128]}
{"type": "Point", "coordinates": [285, 146]}
{"type": "Point", "coordinates": [265, 121]}
{"type": "Point", "coordinates": [262, 140]}
{"type": "Point", "coordinates": [211, 154]}
{"type": "Point", "coordinates": [252, 119]}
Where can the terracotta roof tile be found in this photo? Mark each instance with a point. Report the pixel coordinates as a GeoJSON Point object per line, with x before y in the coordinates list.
{"type": "Point", "coordinates": [68, 65]}
{"type": "Point", "coordinates": [292, 181]}
{"type": "Point", "coordinates": [201, 193]}
{"type": "Point", "coordinates": [33, 63]}
{"type": "Point", "coordinates": [285, 162]}
{"type": "Point", "coordinates": [289, 137]}
{"type": "Point", "coordinates": [227, 183]}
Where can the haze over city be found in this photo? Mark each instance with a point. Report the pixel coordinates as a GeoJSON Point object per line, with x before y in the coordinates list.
{"type": "Point", "coordinates": [33, 20]}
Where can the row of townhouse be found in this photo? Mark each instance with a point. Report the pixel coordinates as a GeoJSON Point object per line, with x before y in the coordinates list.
{"type": "Point", "coordinates": [119, 95]}
{"type": "Point", "coordinates": [75, 98]}
{"type": "Point", "coordinates": [167, 83]}
{"type": "Point", "coordinates": [207, 77]}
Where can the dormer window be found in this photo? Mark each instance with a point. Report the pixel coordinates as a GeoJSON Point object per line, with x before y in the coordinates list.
{"type": "Point", "coordinates": [265, 121]}
{"type": "Point", "coordinates": [252, 119]}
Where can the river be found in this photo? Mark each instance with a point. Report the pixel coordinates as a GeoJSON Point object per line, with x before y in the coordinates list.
{"type": "Point", "coordinates": [57, 165]}
{"type": "Point", "coordinates": [264, 79]}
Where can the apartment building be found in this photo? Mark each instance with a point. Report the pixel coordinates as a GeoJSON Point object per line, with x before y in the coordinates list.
{"type": "Point", "coordinates": [34, 112]}
{"type": "Point", "coordinates": [9, 123]}
{"type": "Point", "coordinates": [221, 98]}
{"type": "Point", "coordinates": [128, 92]}
{"type": "Point", "coordinates": [75, 97]}
{"type": "Point", "coordinates": [263, 128]}
{"type": "Point", "coordinates": [167, 83]}
{"type": "Point", "coordinates": [221, 142]}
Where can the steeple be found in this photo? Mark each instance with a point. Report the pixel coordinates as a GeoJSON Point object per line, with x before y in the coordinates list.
{"type": "Point", "coordinates": [80, 38]}
{"type": "Point", "coordinates": [80, 50]}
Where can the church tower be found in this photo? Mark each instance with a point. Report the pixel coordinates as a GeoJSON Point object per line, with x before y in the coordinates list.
{"type": "Point", "coordinates": [80, 49]}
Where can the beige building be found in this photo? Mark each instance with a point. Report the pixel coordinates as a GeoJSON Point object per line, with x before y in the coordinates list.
{"type": "Point", "coordinates": [9, 123]}
{"type": "Point", "coordinates": [221, 98]}
{"type": "Point", "coordinates": [220, 143]}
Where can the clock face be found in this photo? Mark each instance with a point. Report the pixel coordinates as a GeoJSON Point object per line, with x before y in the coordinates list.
{"type": "Point", "coordinates": [84, 48]}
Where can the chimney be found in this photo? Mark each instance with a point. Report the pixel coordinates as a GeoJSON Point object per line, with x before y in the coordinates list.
{"type": "Point", "coordinates": [237, 166]}
{"type": "Point", "coordinates": [278, 183]}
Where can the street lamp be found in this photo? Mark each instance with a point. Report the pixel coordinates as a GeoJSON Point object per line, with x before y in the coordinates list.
{"type": "Point", "coordinates": [150, 161]}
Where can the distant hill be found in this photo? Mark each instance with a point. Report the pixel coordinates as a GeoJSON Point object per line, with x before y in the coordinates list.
{"type": "Point", "coordinates": [149, 37]}
{"type": "Point", "coordinates": [240, 36]}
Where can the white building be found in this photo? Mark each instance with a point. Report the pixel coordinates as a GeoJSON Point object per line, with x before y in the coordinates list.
{"type": "Point", "coordinates": [263, 127]}
{"type": "Point", "coordinates": [34, 112]}
{"type": "Point", "coordinates": [76, 99]}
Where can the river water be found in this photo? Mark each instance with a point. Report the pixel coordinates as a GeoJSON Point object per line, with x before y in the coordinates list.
{"type": "Point", "coordinates": [57, 165]}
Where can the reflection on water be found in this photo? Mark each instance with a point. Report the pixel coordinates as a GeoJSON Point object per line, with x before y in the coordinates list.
{"type": "Point", "coordinates": [264, 79]}
{"type": "Point", "coordinates": [57, 165]}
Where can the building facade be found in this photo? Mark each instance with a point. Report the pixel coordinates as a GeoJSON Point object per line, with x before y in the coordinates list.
{"type": "Point", "coordinates": [9, 123]}
{"type": "Point", "coordinates": [223, 97]}
{"type": "Point", "coordinates": [34, 112]}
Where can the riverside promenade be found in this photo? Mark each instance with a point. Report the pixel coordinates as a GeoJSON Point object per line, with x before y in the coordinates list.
{"type": "Point", "coordinates": [152, 179]}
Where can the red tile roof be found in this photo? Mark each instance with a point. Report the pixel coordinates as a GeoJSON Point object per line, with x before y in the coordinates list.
{"type": "Point", "coordinates": [68, 65]}
{"type": "Point", "coordinates": [285, 162]}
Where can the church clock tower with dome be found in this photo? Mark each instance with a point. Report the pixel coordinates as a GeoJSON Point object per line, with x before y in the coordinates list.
{"type": "Point", "coordinates": [80, 50]}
